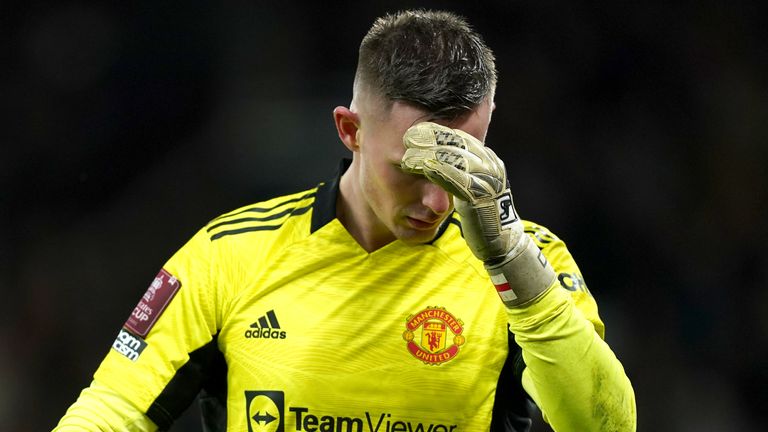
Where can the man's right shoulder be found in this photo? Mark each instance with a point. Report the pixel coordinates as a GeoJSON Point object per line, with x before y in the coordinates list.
{"type": "Point", "coordinates": [265, 216]}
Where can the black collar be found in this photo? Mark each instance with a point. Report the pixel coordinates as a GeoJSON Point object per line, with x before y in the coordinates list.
{"type": "Point", "coordinates": [324, 209]}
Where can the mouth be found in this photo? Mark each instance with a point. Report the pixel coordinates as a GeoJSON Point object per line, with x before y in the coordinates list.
{"type": "Point", "coordinates": [422, 225]}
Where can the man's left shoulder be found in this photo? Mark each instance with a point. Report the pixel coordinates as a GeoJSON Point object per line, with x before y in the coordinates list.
{"type": "Point", "coordinates": [558, 255]}
{"type": "Point", "coordinates": [540, 234]}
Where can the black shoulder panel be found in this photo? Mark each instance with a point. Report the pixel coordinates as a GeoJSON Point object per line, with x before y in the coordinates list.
{"type": "Point", "coordinates": [205, 370]}
{"type": "Point", "coordinates": [510, 408]}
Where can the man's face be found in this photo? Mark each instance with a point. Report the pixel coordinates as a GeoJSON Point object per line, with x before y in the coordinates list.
{"type": "Point", "coordinates": [402, 205]}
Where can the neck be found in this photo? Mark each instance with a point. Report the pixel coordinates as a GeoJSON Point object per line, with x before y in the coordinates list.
{"type": "Point", "coordinates": [359, 220]}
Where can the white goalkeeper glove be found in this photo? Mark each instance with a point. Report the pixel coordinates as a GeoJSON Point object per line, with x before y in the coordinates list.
{"type": "Point", "coordinates": [477, 179]}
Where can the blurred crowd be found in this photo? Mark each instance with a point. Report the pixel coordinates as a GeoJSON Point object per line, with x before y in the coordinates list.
{"type": "Point", "coordinates": [636, 131]}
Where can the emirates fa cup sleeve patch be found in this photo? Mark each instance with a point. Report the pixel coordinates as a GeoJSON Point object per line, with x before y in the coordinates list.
{"type": "Point", "coordinates": [153, 303]}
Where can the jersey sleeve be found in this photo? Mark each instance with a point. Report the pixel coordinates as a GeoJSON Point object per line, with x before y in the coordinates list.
{"type": "Point", "coordinates": [100, 408]}
{"type": "Point", "coordinates": [569, 276]}
{"type": "Point", "coordinates": [570, 371]}
{"type": "Point", "coordinates": [163, 354]}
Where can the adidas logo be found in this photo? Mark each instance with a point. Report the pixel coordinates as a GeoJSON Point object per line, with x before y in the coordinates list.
{"type": "Point", "coordinates": [266, 327]}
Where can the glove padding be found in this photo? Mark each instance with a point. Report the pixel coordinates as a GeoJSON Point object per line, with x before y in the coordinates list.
{"type": "Point", "coordinates": [477, 179]}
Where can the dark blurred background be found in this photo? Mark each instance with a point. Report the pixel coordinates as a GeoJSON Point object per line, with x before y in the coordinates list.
{"type": "Point", "coordinates": [636, 131]}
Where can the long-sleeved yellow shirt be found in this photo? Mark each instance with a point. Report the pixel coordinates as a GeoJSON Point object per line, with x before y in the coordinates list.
{"type": "Point", "coordinates": [286, 324]}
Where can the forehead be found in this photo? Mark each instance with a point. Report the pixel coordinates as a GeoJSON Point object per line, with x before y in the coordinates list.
{"type": "Point", "coordinates": [475, 122]}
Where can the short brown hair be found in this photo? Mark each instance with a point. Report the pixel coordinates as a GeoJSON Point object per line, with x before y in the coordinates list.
{"type": "Point", "coordinates": [432, 59]}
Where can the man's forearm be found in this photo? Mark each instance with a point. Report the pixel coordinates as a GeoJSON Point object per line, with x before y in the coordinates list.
{"type": "Point", "coordinates": [100, 408]}
{"type": "Point", "coordinates": [571, 373]}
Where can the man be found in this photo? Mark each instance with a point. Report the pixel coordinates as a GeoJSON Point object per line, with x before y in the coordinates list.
{"type": "Point", "coordinates": [367, 303]}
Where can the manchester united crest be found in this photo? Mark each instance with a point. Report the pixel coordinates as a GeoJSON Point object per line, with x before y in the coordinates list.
{"type": "Point", "coordinates": [433, 335]}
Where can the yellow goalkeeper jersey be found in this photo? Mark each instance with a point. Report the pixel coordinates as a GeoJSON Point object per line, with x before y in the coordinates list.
{"type": "Point", "coordinates": [286, 324]}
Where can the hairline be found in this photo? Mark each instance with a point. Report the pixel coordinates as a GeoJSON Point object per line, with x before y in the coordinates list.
{"type": "Point", "coordinates": [380, 106]}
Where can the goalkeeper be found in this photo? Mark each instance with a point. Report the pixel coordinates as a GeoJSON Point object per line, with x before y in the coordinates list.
{"type": "Point", "coordinates": [367, 303]}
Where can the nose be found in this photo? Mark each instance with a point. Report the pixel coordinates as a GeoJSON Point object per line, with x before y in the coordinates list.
{"type": "Point", "coordinates": [436, 198]}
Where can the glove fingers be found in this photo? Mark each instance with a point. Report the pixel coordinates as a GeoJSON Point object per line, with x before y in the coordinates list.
{"type": "Point", "coordinates": [467, 186]}
{"type": "Point", "coordinates": [485, 176]}
{"type": "Point", "coordinates": [448, 177]}
{"type": "Point", "coordinates": [455, 160]}
{"type": "Point", "coordinates": [413, 159]}
{"type": "Point", "coordinates": [428, 134]}
{"type": "Point", "coordinates": [495, 163]}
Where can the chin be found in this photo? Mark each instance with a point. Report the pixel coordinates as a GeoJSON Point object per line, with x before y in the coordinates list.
{"type": "Point", "coordinates": [417, 237]}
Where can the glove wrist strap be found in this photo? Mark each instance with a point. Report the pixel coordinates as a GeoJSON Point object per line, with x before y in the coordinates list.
{"type": "Point", "coordinates": [521, 277]}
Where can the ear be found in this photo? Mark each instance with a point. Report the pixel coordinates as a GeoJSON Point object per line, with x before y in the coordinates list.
{"type": "Point", "coordinates": [347, 126]}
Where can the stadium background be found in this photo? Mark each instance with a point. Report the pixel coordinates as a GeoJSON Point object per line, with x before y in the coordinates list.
{"type": "Point", "coordinates": [636, 131]}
